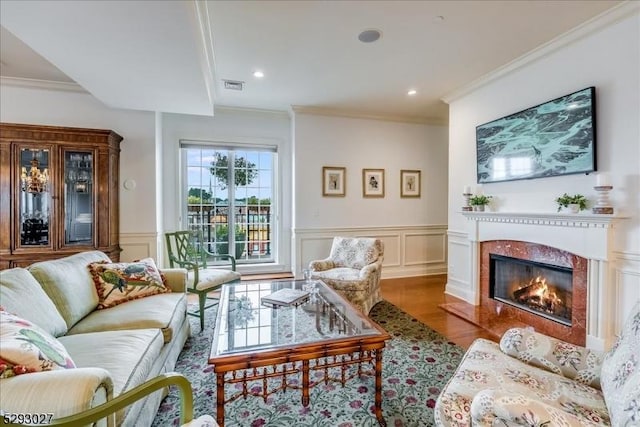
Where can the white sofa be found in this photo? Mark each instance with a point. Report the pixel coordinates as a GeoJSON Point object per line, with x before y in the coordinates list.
{"type": "Point", "coordinates": [114, 349]}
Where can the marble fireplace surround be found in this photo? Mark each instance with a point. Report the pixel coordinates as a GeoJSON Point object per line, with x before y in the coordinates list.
{"type": "Point", "coordinates": [588, 240]}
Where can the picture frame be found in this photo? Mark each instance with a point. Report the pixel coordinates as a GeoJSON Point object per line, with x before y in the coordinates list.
{"type": "Point", "coordinates": [333, 181]}
{"type": "Point", "coordinates": [372, 182]}
{"type": "Point", "coordinates": [409, 183]}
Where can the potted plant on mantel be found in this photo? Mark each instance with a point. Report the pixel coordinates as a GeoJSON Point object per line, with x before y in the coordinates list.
{"type": "Point", "coordinates": [479, 201]}
{"type": "Point", "coordinates": [572, 204]}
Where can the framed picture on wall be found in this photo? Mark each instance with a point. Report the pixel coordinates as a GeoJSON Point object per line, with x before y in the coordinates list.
{"type": "Point", "coordinates": [333, 181]}
{"type": "Point", "coordinates": [409, 183]}
{"type": "Point", "coordinates": [372, 182]}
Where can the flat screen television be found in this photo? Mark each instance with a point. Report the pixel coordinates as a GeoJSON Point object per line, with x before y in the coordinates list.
{"type": "Point", "coordinates": [555, 138]}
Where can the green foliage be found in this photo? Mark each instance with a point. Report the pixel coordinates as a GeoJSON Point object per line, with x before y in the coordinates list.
{"type": "Point", "coordinates": [253, 200]}
{"type": "Point", "coordinates": [222, 231]}
{"type": "Point", "coordinates": [577, 199]}
{"type": "Point", "coordinates": [480, 200]}
{"type": "Point", "coordinates": [200, 194]}
{"type": "Point", "coordinates": [245, 171]}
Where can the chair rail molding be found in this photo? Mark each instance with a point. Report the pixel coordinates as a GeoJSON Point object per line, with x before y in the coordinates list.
{"type": "Point", "coordinates": [414, 250]}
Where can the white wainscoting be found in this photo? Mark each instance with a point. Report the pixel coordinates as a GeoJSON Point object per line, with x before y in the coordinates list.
{"type": "Point", "coordinates": [459, 268]}
{"type": "Point", "coordinates": [408, 250]}
{"type": "Point", "coordinates": [626, 286]}
{"type": "Point", "coordinates": [139, 245]}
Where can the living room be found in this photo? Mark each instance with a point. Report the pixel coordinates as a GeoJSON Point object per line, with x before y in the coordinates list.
{"type": "Point", "coordinates": [422, 236]}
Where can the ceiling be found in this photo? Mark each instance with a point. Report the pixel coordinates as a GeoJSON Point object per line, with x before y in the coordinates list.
{"type": "Point", "coordinates": [173, 56]}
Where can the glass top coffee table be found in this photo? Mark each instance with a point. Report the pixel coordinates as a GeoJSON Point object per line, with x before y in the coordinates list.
{"type": "Point", "coordinates": [257, 341]}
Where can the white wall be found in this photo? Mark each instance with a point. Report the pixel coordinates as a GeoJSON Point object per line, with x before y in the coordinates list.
{"type": "Point", "coordinates": [609, 59]}
{"type": "Point", "coordinates": [30, 105]}
{"type": "Point", "coordinates": [413, 229]}
{"type": "Point", "coordinates": [231, 126]}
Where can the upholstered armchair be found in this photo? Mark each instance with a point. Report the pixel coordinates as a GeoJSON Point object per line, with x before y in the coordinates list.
{"type": "Point", "coordinates": [353, 268]}
{"type": "Point", "coordinates": [532, 379]}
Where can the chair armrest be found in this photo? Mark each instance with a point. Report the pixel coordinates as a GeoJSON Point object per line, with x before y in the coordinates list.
{"type": "Point", "coordinates": [128, 398]}
{"type": "Point", "coordinates": [61, 392]}
{"type": "Point", "coordinates": [496, 407]}
{"type": "Point", "coordinates": [231, 258]}
{"type": "Point", "coordinates": [554, 355]}
{"type": "Point", "coordinates": [322, 265]}
{"type": "Point", "coordinates": [176, 278]}
{"type": "Point", "coordinates": [370, 269]}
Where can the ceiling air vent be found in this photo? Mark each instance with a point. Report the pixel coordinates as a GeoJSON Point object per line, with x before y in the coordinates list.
{"type": "Point", "coordinates": [233, 84]}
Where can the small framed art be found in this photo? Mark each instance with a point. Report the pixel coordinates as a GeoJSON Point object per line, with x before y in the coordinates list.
{"type": "Point", "coordinates": [372, 182]}
{"type": "Point", "coordinates": [333, 181]}
{"type": "Point", "coordinates": [409, 183]}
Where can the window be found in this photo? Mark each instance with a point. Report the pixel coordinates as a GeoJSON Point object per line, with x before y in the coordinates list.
{"type": "Point", "coordinates": [231, 188]}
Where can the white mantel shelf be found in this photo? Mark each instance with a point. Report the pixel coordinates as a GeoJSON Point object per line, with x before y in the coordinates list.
{"type": "Point", "coordinates": [579, 220]}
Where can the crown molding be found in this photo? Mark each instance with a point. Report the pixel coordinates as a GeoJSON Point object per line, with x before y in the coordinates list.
{"type": "Point", "coordinates": [232, 109]}
{"type": "Point", "coordinates": [207, 56]}
{"type": "Point", "coordinates": [354, 114]}
{"type": "Point", "coordinates": [41, 84]}
{"type": "Point", "coordinates": [583, 30]}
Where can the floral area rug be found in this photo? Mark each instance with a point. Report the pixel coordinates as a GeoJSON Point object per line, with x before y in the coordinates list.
{"type": "Point", "coordinates": [417, 363]}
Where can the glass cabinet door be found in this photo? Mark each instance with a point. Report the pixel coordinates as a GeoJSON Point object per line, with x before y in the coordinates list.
{"type": "Point", "coordinates": [78, 197]}
{"type": "Point", "coordinates": [35, 197]}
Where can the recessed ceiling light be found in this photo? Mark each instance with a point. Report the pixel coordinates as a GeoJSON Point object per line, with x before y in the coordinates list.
{"type": "Point", "coordinates": [412, 92]}
{"type": "Point", "coordinates": [258, 74]}
{"type": "Point", "coordinates": [369, 36]}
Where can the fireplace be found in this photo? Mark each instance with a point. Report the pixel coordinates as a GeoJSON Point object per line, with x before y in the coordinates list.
{"type": "Point", "coordinates": [539, 288]}
{"type": "Point", "coordinates": [583, 243]}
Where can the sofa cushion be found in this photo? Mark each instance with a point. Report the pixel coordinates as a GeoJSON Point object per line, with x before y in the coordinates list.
{"type": "Point", "coordinates": [68, 283]}
{"type": "Point", "coordinates": [121, 282]}
{"type": "Point", "coordinates": [128, 356]}
{"type": "Point", "coordinates": [21, 294]}
{"type": "Point", "coordinates": [165, 312]}
{"type": "Point", "coordinates": [26, 348]}
{"type": "Point", "coordinates": [620, 377]}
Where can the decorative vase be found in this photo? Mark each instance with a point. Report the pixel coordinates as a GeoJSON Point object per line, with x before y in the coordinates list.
{"type": "Point", "coordinates": [573, 208]}
{"type": "Point", "coordinates": [478, 208]}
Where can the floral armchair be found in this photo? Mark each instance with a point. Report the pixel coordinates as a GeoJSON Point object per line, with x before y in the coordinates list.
{"type": "Point", "coordinates": [353, 268]}
{"type": "Point", "coordinates": [535, 380]}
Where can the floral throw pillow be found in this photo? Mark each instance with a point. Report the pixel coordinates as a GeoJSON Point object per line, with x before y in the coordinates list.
{"type": "Point", "coordinates": [26, 348]}
{"type": "Point", "coordinates": [121, 282]}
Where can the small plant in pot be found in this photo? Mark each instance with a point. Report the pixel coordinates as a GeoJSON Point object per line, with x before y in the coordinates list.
{"type": "Point", "coordinates": [573, 204]}
{"type": "Point", "coordinates": [479, 201]}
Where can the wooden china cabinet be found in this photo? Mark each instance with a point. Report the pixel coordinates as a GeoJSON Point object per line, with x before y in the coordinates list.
{"type": "Point", "coordinates": [58, 192]}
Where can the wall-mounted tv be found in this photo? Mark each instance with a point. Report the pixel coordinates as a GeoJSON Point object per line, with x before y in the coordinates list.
{"type": "Point", "coordinates": [550, 139]}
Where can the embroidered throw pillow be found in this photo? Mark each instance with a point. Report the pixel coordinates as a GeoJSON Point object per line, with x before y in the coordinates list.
{"type": "Point", "coordinates": [120, 282]}
{"type": "Point", "coordinates": [26, 348]}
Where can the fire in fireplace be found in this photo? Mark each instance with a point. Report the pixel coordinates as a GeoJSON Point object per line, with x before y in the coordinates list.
{"type": "Point", "coordinates": [542, 289]}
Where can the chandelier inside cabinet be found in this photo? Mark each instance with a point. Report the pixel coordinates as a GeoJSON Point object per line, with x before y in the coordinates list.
{"type": "Point", "coordinates": [34, 181]}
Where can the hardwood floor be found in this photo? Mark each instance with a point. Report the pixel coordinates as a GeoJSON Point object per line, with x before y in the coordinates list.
{"type": "Point", "coordinates": [420, 296]}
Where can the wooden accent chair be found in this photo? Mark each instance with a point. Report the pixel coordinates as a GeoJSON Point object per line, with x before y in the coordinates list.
{"type": "Point", "coordinates": [353, 268]}
{"type": "Point", "coordinates": [186, 249]}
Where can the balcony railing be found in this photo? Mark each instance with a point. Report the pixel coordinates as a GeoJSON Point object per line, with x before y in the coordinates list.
{"type": "Point", "coordinates": [253, 225]}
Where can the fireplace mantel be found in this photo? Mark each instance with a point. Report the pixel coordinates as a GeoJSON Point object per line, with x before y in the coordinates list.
{"type": "Point", "coordinates": [587, 235]}
{"type": "Point", "coordinates": [544, 218]}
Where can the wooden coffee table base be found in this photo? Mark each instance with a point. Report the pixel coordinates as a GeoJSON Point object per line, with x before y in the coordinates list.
{"type": "Point", "coordinates": [284, 363]}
